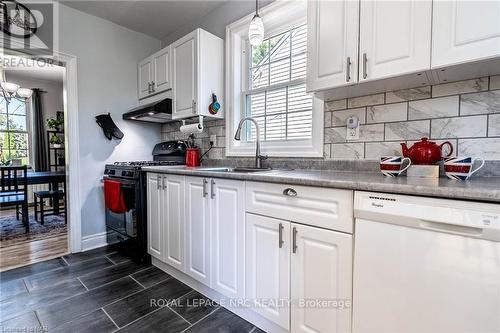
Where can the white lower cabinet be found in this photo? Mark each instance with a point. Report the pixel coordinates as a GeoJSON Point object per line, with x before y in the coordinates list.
{"type": "Point", "coordinates": [228, 237]}
{"type": "Point", "coordinates": [173, 214]}
{"type": "Point", "coordinates": [154, 220]}
{"type": "Point", "coordinates": [299, 277]}
{"type": "Point", "coordinates": [198, 229]}
{"type": "Point", "coordinates": [165, 218]}
{"type": "Point", "coordinates": [215, 235]}
{"type": "Point", "coordinates": [321, 280]}
{"type": "Point", "coordinates": [268, 267]}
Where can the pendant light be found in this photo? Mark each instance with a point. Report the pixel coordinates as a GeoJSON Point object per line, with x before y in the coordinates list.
{"type": "Point", "coordinates": [256, 28]}
{"type": "Point", "coordinates": [9, 90]}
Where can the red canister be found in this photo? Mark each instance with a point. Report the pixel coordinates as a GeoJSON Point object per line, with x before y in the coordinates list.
{"type": "Point", "coordinates": [193, 157]}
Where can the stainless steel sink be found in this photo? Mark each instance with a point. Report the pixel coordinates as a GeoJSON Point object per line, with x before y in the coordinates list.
{"type": "Point", "coordinates": [236, 170]}
{"type": "Point", "coordinates": [241, 169]}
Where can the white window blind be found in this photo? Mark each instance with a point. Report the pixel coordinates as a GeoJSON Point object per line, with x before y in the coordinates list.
{"type": "Point", "coordinates": [277, 97]}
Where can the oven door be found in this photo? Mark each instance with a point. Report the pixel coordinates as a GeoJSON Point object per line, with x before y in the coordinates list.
{"type": "Point", "coordinates": [124, 224]}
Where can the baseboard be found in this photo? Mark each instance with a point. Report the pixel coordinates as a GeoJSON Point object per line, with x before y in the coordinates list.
{"type": "Point", "coordinates": [94, 241]}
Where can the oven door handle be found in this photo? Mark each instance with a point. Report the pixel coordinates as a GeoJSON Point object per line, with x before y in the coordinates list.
{"type": "Point", "coordinates": [124, 183]}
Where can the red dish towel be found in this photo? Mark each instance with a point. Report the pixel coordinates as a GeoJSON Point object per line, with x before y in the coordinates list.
{"type": "Point", "coordinates": [114, 197]}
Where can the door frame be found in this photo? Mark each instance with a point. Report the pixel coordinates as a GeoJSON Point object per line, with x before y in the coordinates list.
{"type": "Point", "coordinates": [72, 139]}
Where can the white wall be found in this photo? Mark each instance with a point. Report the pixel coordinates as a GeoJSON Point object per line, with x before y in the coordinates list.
{"type": "Point", "coordinates": [217, 20]}
{"type": "Point", "coordinates": [107, 58]}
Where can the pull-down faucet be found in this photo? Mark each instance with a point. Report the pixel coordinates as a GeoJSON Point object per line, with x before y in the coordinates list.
{"type": "Point", "coordinates": [258, 157]}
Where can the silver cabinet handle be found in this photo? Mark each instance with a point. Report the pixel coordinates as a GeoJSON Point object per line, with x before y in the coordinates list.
{"type": "Point", "coordinates": [153, 86]}
{"type": "Point", "coordinates": [194, 106]}
{"type": "Point", "coordinates": [280, 232]}
{"type": "Point", "coordinates": [212, 189]}
{"type": "Point", "coordinates": [158, 182]}
{"type": "Point", "coordinates": [290, 192]}
{"type": "Point", "coordinates": [294, 244]}
{"type": "Point", "coordinates": [149, 87]}
{"type": "Point", "coordinates": [205, 182]}
{"type": "Point", "coordinates": [348, 70]}
{"type": "Point", "coordinates": [164, 182]}
{"type": "Point", "coordinates": [365, 75]}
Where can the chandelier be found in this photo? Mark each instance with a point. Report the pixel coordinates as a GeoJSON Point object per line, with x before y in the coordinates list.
{"type": "Point", "coordinates": [9, 90]}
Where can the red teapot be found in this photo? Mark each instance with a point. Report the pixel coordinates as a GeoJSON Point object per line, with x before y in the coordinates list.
{"type": "Point", "coordinates": [426, 152]}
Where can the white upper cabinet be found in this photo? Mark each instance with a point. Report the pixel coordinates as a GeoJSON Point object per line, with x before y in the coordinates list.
{"type": "Point", "coordinates": [144, 77]}
{"type": "Point", "coordinates": [197, 73]}
{"type": "Point", "coordinates": [321, 267]}
{"type": "Point", "coordinates": [228, 236]}
{"type": "Point", "coordinates": [465, 31]}
{"type": "Point", "coordinates": [332, 43]}
{"type": "Point", "coordinates": [184, 60]}
{"type": "Point", "coordinates": [154, 74]}
{"type": "Point", "coordinates": [161, 71]}
{"type": "Point", "coordinates": [395, 38]}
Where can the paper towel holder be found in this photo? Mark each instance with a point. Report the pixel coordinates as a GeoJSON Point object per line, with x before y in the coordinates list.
{"type": "Point", "coordinates": [199, 125]}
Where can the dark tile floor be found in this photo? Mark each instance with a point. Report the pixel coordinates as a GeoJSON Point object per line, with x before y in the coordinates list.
{"type": "Point", "coordinates": [102, 291]}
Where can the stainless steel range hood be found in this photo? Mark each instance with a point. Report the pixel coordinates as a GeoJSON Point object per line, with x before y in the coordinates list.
{"type": "Point", "coordinates": [156, 112]}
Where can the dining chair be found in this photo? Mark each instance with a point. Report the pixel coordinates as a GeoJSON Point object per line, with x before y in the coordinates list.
{"type": "Point", "coordinates": [14, 191]}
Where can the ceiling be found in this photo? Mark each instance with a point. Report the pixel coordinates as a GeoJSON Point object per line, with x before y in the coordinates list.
{"type": "Point", "coordinates": [154, 18]}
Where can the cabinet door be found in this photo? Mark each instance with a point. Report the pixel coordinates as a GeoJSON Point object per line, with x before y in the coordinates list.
{"type": "Point", "coordinates": [185, 76]}
{"type": "Point", "coordinates": [154, 218]}
{"type": "Point", "coordinates": [395, 38]}
{"type": "Point", "coordinates": [228, 236]}
{"type": "Point", "coordinates": [321, 270]}
{"type": "Point", "coordinates": [465, 31]}
{"type": "Point", "coordinates": [268, 267]}
{"type": "Point", "coordinates": [173, 215]}
{"type": "Point", "coordinates": [198, 229]}
{"type": "Point", "coordinates": [161, 73]}
{"type": "Point", "coordinates": [144, 77]}
{"type": "Point", "coordinates": [332, 43]}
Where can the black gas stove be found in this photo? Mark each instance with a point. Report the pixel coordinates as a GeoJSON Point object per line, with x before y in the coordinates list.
{"type": "Point", "coordinates": [127, 231]}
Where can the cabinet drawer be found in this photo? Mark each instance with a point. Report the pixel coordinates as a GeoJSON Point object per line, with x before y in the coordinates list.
{"type": "Point", "coordinates": [321, 207]}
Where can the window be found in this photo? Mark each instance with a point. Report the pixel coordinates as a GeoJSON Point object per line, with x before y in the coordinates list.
{"type": "Point", "coordinates": [277, 98]}
{"type": "Point", "coordinates": [268, 83]}
{"type": "Point", "coordinates": [13, 131]}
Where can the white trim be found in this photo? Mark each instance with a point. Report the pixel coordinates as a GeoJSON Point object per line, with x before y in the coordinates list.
{"type": "Point", "coordinates": [72, 137]}
{"type": "Point", "coordinates": [94, 241]}
{"type": "Point", "coordinates": [275, 16]}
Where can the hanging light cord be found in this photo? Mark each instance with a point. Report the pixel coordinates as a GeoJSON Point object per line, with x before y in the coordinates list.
{"type": "Point", "coordinates": [256, 7]}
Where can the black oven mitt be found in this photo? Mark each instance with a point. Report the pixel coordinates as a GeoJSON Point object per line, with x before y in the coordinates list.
{"type": "Point", "coordinates": [108, 126]}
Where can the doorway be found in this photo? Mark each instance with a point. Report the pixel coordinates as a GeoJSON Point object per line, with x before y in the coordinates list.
{"type": "Point", "coordinates": [54, 92]}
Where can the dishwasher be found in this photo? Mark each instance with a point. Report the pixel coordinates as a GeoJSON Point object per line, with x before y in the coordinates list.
{"type": "Point", "coordinates": [425, 264]}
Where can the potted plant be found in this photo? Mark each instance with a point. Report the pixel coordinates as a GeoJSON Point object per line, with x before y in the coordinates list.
{"type": "Point", "coordinates": [56, 141]}
{"type": "Point", "coordinates": [55, 124]}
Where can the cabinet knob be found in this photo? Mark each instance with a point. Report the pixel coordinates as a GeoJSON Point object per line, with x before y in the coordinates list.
{"type": "Point", "coordinates": [290, 192]}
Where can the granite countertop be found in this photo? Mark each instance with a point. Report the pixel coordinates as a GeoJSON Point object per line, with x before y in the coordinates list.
{"type": "Point", "coordinates": [479, 188]}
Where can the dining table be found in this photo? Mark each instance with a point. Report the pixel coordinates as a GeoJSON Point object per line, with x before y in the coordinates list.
{"type": "Point", "coordinates": [54, 178]}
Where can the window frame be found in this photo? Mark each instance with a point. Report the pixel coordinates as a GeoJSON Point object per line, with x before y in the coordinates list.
{"type": "Point", "coordinates": [279, 17]}
{"type": "Point", "coordinates": [28, 131]}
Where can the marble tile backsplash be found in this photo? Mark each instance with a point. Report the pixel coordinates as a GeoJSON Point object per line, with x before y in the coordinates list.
{"type": "Point", "coordinates": [467, 113]}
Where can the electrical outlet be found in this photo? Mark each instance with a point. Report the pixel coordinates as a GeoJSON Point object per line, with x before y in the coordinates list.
{"type": "Point", "coordinates": [352, 128]}
{"type": "Point", "coordinates": [213, 138]}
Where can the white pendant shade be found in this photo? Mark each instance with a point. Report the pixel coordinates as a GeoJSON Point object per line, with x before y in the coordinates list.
{"type": "Point", "coordinates": [24, 92]}
{"type": "Point", "coordinates": [9, 87]}
{"type": "Point", "coordinates": [256, 31]}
